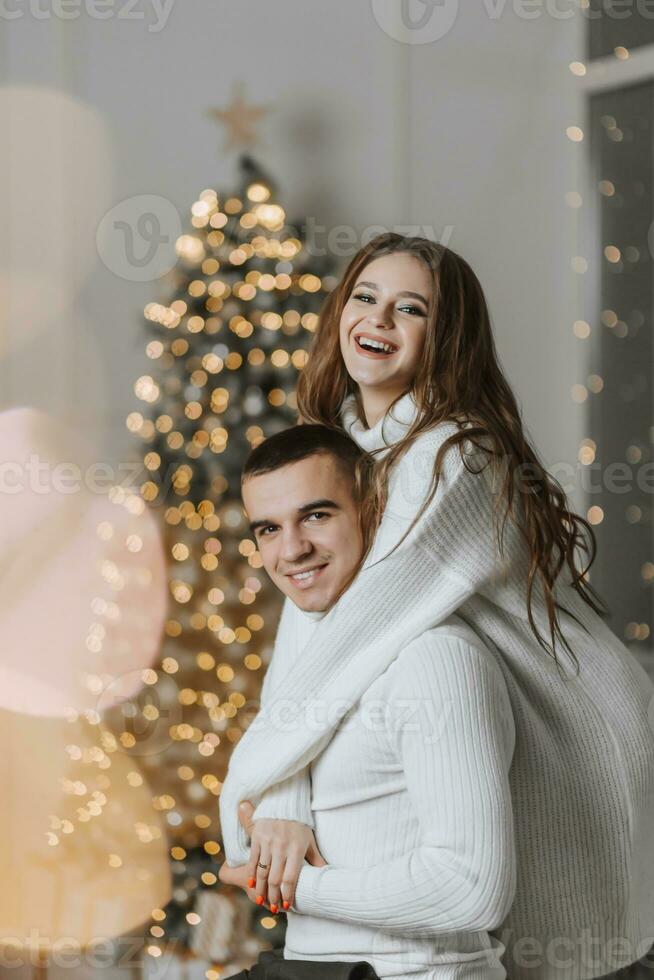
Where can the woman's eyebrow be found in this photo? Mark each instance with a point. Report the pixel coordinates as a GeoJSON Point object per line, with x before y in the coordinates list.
{"type": "Point", "coordinates": [405, 292]}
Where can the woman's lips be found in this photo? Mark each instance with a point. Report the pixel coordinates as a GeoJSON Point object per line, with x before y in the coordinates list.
{"type": "Point", "coordinates": [368, 353]}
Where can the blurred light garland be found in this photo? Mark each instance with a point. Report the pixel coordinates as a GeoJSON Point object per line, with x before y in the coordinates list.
{"type": "Point", "coordinates": [226, 344]}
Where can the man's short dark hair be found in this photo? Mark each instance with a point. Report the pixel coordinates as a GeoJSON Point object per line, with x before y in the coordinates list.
{"type": "Point", "coordinates": [301, 441]}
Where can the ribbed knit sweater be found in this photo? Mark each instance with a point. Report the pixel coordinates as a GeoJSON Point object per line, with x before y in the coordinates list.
{"type": "Point", "coordinates": [582, 772]}
{"type": "Point", "coordinates": [387, 795]}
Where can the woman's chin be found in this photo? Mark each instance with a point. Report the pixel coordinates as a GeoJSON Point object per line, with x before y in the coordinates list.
{"type": "Point", "coordinates": [376, 376]}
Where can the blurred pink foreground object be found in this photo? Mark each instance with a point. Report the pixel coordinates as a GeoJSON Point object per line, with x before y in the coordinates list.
{"type": "Point", "coordinates": [82, 574]}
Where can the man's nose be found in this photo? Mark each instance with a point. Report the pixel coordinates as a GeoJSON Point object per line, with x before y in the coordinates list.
{"type": "Point", "coordinates": [294, 545]}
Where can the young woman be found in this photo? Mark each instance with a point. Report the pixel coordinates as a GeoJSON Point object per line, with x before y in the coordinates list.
{"type": "Point", "coordinates": [404, 361]}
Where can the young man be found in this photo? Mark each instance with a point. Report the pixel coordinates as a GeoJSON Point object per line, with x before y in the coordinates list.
{"type": "Point", "coordinates": [303, 491]}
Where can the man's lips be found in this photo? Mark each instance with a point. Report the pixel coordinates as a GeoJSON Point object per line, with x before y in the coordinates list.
{"type": "Point", "coordinates": [306, 580]}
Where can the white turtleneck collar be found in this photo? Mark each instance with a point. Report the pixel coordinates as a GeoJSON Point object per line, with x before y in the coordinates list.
{"type": "Point", "coordinates": [391, 427]}
{"type": "Point", "coordinates": [387, 430]}
{"type": "Point", "coordinates": [310, 614]}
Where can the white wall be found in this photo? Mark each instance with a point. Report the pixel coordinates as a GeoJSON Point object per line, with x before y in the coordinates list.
{"type": "Point", "coordinates": [464, 135]}
{"type": "Point", "coordinates": [489, 107]}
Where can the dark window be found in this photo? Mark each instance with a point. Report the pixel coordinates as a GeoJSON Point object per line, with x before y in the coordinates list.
{"type": "Point", "coordinates": [620, 347]}
{"type": "Point", "coordinates": [618, 23]}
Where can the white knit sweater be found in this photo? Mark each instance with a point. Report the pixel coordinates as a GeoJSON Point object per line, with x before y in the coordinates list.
{"type": "Point", "coordinates": [388, 795]}
{"type": "Point", "coordinates": [582, 775]}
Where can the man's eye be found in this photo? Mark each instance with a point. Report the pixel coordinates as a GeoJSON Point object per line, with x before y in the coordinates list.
{"type": "Point", "coordinates": [263, 530]}
{"type": "Point", "coordinates": [317, 513]}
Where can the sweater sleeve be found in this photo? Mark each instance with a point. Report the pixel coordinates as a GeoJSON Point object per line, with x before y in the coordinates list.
{"type": "Point", "coordinates": [455, 739]}
{"type": "Point", "coordinates": [289, 799]}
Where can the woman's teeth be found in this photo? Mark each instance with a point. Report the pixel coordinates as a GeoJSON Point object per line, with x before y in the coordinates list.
{"type": "Point", "coordinates": [304, 575]}
{"type": "Point", "coordinates": [375, 346]}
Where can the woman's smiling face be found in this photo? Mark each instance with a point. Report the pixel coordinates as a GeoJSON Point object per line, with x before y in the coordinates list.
{"type": "Point", "coordinates": [387, 305]}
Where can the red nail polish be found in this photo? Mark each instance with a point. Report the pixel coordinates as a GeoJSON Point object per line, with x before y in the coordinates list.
{"type": "Point", "coordinates": [273, 909]}
{"type": "Point", "coordinates": [252, 882]}
{"type": "Point", "coordinates": [259, 899]}
{"type": "Point", "coordinates": [285, 904]}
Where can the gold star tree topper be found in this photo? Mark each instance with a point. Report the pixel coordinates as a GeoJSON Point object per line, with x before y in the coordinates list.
{"type": "Point", "coordinates": [239, 118]}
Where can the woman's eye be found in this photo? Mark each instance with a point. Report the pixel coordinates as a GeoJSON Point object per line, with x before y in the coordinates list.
{"type": "Point", "coordinates": [414, 309]}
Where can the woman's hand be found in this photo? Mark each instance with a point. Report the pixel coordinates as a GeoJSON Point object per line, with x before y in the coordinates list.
{"type": "Point", "coordinates": [238, 876]}
{"type": "Point", "coordinates": [282, 845]}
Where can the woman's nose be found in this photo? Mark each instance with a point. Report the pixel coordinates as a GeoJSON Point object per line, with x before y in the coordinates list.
{"type": "Point", "coordinates": [379, 326]}
{"type": "Point", "coordinates": [381, 319]}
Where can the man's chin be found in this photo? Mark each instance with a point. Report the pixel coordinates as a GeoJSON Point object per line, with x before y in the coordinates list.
{"type": "Point", "coordinates": [310, 603]}
{"type": "Point", "coordinates": [306, 604]}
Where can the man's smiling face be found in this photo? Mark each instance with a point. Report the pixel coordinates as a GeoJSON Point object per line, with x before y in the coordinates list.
{"type": "Point", "coordinates": [305, 519]}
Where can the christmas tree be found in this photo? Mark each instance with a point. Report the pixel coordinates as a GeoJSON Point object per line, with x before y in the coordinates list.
{"type": "Point", "coordinates": [227, 340]}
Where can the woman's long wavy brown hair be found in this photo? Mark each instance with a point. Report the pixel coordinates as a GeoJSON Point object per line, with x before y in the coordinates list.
{"type": "Point", "coordinates": [459, 379]}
